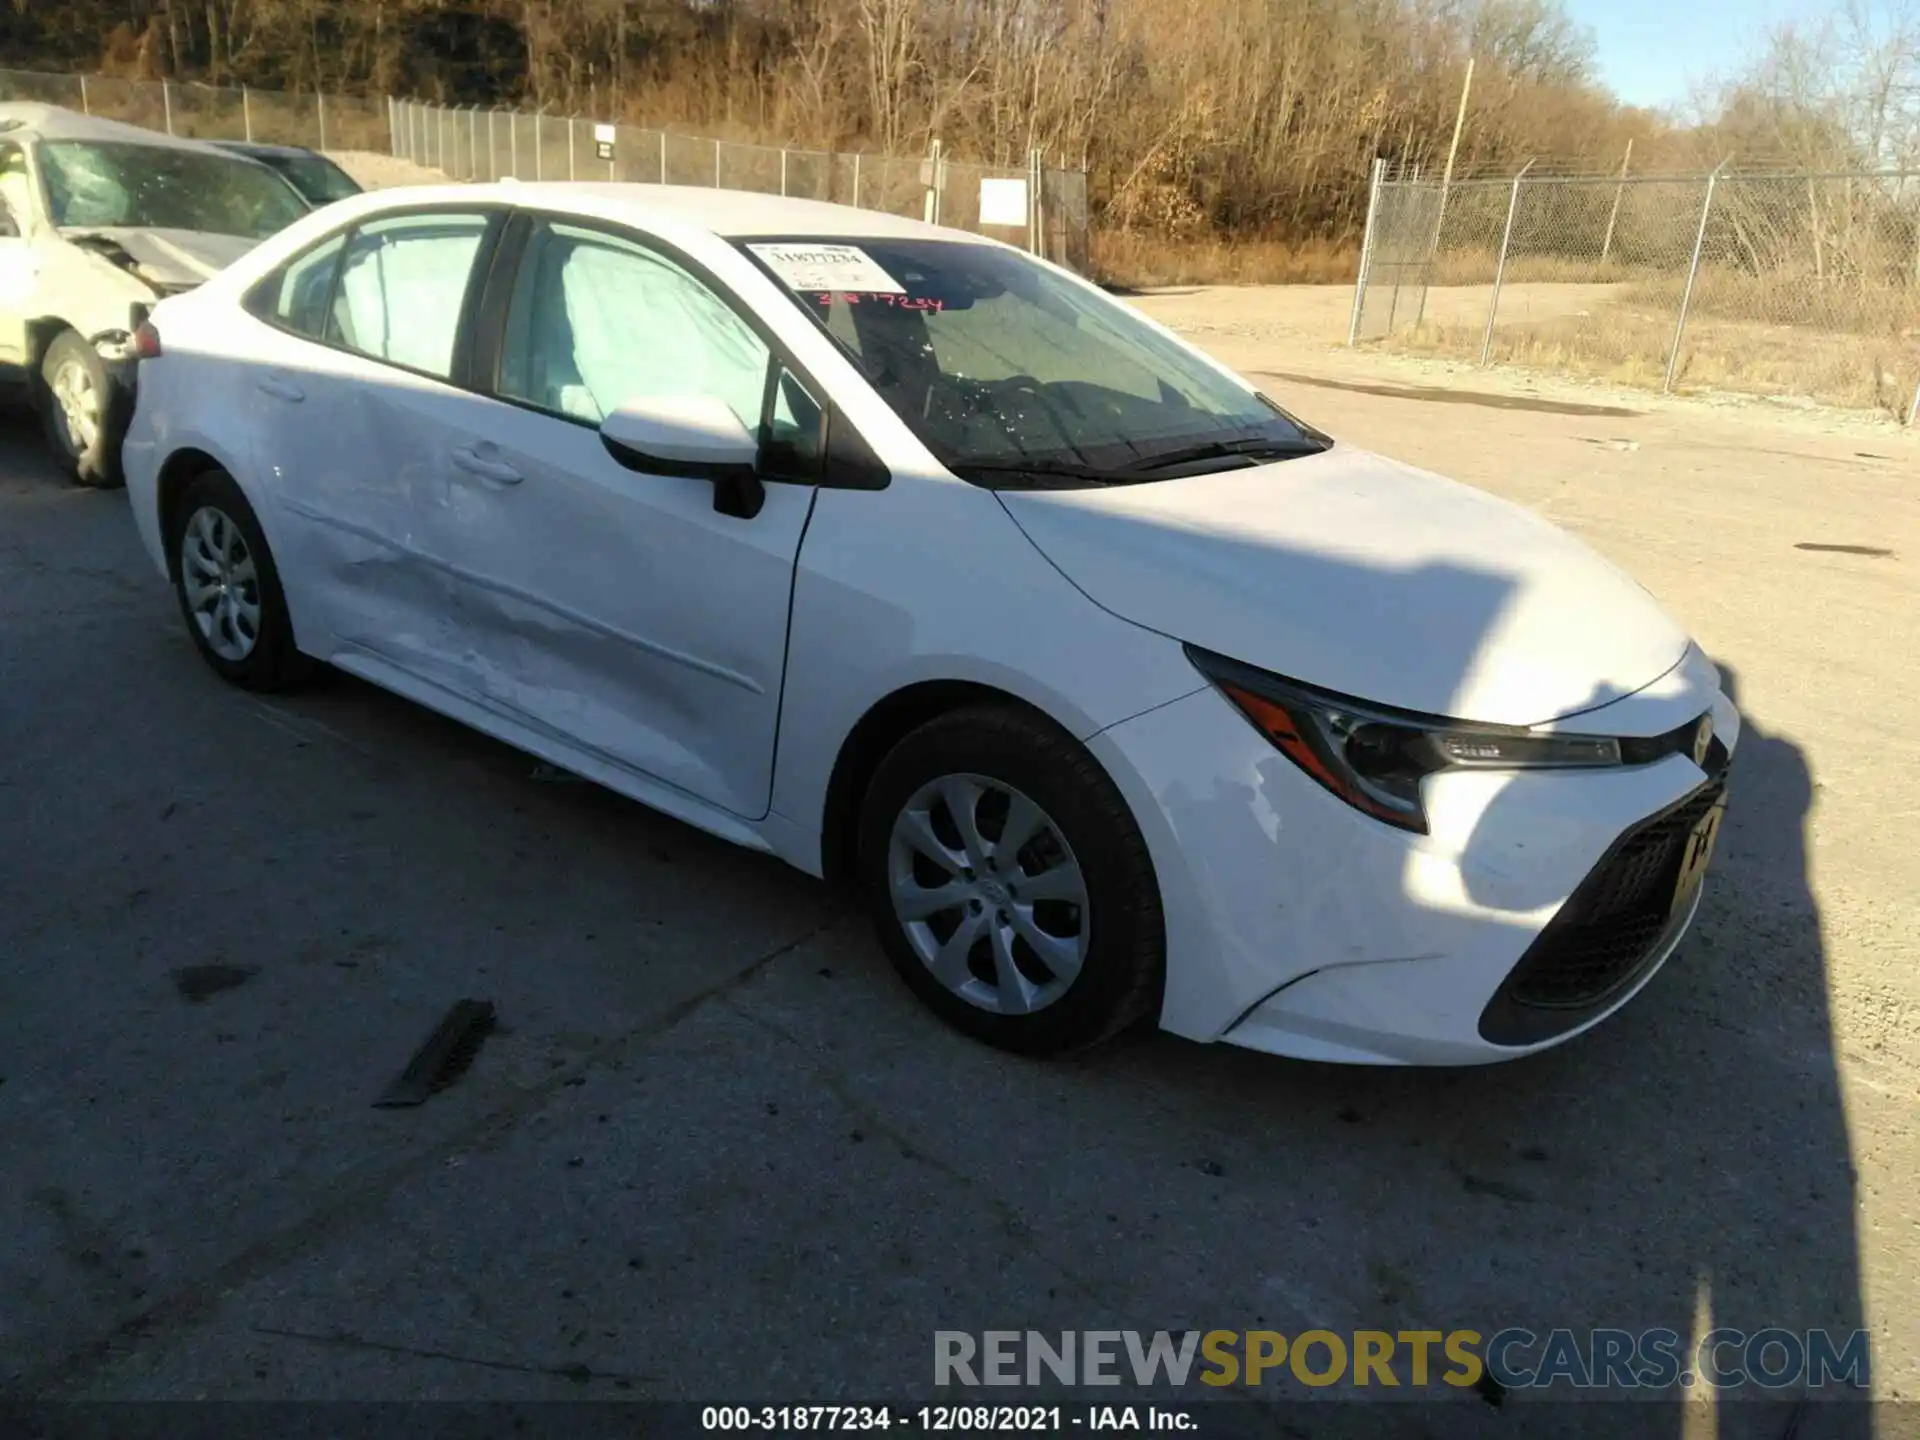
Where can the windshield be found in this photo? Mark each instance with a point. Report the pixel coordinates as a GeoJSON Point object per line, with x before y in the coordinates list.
{"type": "Point", "coordinates": [114, 183]}
{"type": "Point", "coordinates": [1011, 374]}
{"type": "Point", "coordinates": [315, 177]}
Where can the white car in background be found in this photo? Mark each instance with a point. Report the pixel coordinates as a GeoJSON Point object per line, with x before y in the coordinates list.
{"type": "Point", "coordinates": [914, 560]}
{"type": "Point", "coordinates": [97, 218]}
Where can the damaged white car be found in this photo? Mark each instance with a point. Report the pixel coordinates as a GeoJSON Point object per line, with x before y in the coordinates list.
{"type": "Point", "coordinates": [98, 220]}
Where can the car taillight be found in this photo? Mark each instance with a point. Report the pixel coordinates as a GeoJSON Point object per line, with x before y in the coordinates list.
{"type": "Point", "coordinates": [146, 341]}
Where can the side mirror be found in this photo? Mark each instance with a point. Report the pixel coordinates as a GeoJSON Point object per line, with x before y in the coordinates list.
{"type": "Point", "coordinates": [695, 436]}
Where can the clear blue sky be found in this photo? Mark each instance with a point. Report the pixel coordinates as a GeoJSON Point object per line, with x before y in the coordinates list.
{"type": "Point", "coordinates": [1653, 52]}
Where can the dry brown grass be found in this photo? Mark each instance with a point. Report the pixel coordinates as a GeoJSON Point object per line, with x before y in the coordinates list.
{"type": "Point", "coordinates": [1478, 267]}
{"type": "Point", "coordinates": [1855, 306]}
{"type": "Point", "coordinates": [1626, 344]}
{"type": "Point", "coordinates": [1138, 260]}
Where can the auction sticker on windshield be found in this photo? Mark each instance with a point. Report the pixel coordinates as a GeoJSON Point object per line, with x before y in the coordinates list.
{"type": "Point", "coordinates": [846, 269]}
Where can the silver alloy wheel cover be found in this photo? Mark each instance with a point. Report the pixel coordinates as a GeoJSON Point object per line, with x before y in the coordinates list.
{"type": "Point", "coordinates": [221, 583]}
{"type": "Point", "coordinates": [987, 894]}
{"type": "Point", "coordinates": [76, 405]}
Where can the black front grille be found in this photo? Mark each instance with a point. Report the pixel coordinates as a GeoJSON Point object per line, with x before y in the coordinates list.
{"type": "Point", "coordinates": [1606, 933]}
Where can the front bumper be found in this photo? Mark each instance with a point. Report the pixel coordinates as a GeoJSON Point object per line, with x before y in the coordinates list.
{"type": "Point", "coordinates": [1299, 926]}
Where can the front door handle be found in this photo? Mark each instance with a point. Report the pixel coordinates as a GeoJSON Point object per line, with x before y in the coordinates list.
{"type": "Point", "coordinates": [281, 389]}
{"type": "Point", "coordinates": [499, 472]}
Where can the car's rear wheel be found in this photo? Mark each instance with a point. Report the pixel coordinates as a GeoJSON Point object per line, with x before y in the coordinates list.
{"type": "Point", "coordinates": [77, 411]}
{"type": "Point", "coordinates": [228, 588]}
{"type": "Point", "coordinates": [1009, 883]}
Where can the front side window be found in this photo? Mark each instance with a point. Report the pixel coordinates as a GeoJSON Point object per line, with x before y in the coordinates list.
{"type": "Point", "coordinates": [1010, 374]}
{"type": "Point", "coordinates": [401, 286]}
{"type": "Point", "coordinates": [16, 187]}
{"type": "Point", "coordinates": [596, 321]}
{"type": "Point", "coordinates": [121, 184]}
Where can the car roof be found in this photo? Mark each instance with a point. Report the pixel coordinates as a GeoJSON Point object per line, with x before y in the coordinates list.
{"type": "Point", "coordinates": [730, 214]}
{"type": "Point", "coordinates": [254, 147]}
{"type": "Point", "coordinates": [26, 120]}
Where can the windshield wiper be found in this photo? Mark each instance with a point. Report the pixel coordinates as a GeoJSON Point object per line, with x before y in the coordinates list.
{"type": "Point", "coordinates": [1052, 469]}
{"type": "Point", "coordinates": [1256, 449]}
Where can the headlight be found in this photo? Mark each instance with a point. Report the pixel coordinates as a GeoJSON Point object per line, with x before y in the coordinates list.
{"type": "Point", "coordinates": [1374, 758]}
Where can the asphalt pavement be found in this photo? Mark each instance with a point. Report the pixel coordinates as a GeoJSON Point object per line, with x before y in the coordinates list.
{"type": "Point", "coordinates": [715, 1151]}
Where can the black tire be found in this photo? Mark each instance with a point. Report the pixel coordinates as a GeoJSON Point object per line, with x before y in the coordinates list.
{"type": "Point", "coordinates": [270, 662]}
{"type": "Point", "coordinates": [1121, 977]}
{"type": "Point", "coordinates": [91, 461]}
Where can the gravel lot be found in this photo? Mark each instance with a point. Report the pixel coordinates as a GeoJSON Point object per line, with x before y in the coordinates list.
{"type": "Point", "coordinates": [719, 1153]}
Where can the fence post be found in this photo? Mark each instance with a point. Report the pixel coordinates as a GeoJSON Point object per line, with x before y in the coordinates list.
{"type": "Point", "coordinates": [246, 114]}
{"type": "Point", "coordinates": [1033, 209]}
{"type": "Point", "coordinates": [513, 143]}
{"type": "Point", "coordinates": [663, 157]}
{"type": "Point", "coordinates": [1039, 163]}
{"type": "Point", "coordinates": [1913, 410]}
{"type": "Point", "coordinates": [85, 108]}
{"type": "Point", "coordinates": [716, 164]}
{"type": "Point", "coordinates": [538, 142]}
{"type": "Point", "coordinates": [1366, 252]}
{"type": "Point", "coordinates": [783, 170]}
{"type": "Point", "coordinates": [571, 175]}
{"type": "Point", "coordinates": [166, 103]}
{"type": "Point", "coordinates": [1619, 189]}
{"type": "Point", "coordinates": [320, 109]}
{"type": "Point", "coordinates": [1500, 270]}
{"type": "Point", "coordinates": [856, 179]}
{"type": "Point", "coordinates": [1693, 272]}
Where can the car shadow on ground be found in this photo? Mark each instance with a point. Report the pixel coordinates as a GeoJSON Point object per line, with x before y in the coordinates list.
{"type": "Point", "coordinates": [1686, 1165]}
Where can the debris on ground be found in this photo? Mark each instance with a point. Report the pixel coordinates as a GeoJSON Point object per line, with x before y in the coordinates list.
{"type": "Point", "coordinates": [197, 982]}
{"type": "Point", "coordinates": [444, 1057]}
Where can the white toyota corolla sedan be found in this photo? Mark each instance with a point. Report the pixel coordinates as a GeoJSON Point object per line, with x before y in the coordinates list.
{"type": "Point", "coordinates": [913, 560]}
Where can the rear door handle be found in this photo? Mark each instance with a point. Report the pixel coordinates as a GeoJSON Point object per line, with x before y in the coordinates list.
{"type": "Point", "coordinates": [281, 389]}
{"type": "Point", "coordinates": [474, 463]}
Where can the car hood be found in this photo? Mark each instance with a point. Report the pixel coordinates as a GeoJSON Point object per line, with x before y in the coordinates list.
{"type": "Point", "coordinates": [174, 259]}
{"type": "Point", "coordinates": [1364, 576]}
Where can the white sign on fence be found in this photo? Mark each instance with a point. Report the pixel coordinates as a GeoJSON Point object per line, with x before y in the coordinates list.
{"type": "Point", "coordinates": [1003, 202]}
{"type": "Point", "coordinates": [603, 138]}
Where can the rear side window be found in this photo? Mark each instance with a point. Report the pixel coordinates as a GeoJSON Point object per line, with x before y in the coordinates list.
{"type": "Point", "coordinates": [400, 288]}
{"type": "Point", "coordinates": [299, 297]}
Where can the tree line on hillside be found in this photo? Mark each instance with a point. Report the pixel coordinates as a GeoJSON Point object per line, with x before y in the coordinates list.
{"type": "Point", "coordinates": [1231, 116]}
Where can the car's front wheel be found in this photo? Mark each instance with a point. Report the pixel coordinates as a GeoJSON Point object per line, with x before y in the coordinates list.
{"type": "Point", "coordinates": [1009, 883]}
{"type": "Point", "coordinates": [77, 411]}
{"type": "Point", "coordinates": [229, 589]}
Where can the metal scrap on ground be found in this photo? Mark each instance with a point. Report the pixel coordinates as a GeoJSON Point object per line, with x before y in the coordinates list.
{"type": "Point", "coordinates": [445, 1056]}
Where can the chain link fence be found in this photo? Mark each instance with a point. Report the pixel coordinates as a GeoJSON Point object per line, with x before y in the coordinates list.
{"type": "Point", "coordinates": [213, 112]}
{"type": "Point", "coordinates": [1801, 287]}
{"type": "Point", "coordinates": [1036, 207]}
